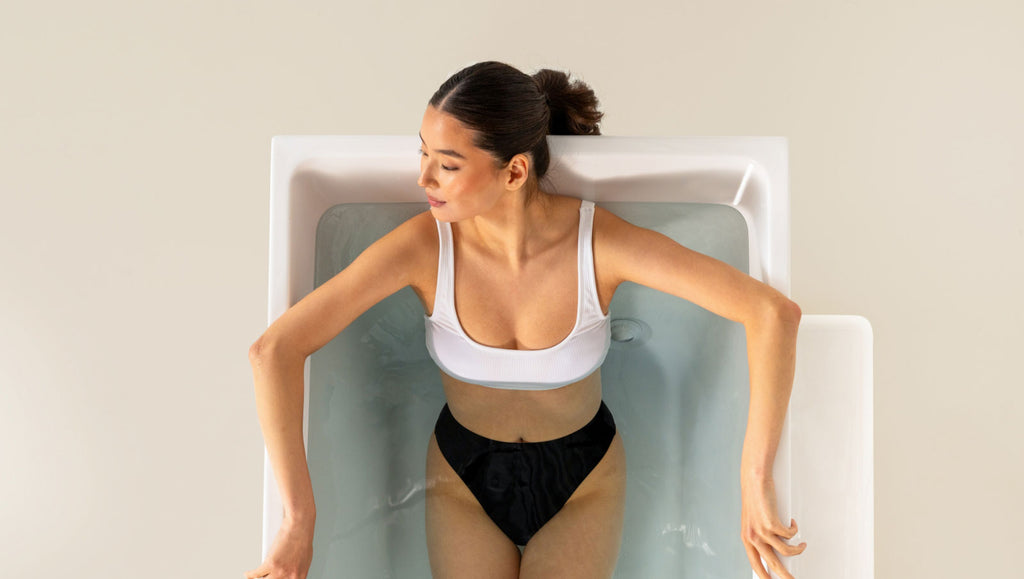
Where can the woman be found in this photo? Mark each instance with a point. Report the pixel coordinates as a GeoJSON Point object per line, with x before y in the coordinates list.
{"type": "Point", "coordinates": [525, 468]}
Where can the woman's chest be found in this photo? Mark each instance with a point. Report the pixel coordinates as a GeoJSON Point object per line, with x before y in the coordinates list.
{"type": "Point", "coordinates": [530, 308]}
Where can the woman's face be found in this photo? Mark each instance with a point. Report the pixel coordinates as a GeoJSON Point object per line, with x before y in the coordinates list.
{"type": "Point", "coordinates": [461, 181]}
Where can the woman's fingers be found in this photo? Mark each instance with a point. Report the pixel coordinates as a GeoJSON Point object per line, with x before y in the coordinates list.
{"type": "Point", "coordinates": [785, 548]}
{"type": "Point", "coordinates": [788, 533]}
{"type": "Point", "coordinates": [260, 571]}
{"type": "Point", "coordinates": [773, 561]}
{"type": "Point", "coordinates": [755, 561]}
{"type": "Point", "coordinates": [764, 544]}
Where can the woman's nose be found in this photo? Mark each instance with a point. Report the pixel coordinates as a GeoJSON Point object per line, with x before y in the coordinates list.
{"type": "Point", "coordinates": [425, 178]}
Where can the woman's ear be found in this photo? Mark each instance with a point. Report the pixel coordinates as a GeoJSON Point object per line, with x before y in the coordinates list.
{"type": "Point", "coordinates": [518, 172]}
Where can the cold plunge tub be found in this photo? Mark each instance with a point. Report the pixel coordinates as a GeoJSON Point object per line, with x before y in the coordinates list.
{"type": "Point", "coordinates": [675, 378]}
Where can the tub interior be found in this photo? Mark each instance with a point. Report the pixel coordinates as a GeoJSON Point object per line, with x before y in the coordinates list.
{"type": "Point", "coordinates": [675, 379]}
{"type": "Point", "coordinates": [372, 394]}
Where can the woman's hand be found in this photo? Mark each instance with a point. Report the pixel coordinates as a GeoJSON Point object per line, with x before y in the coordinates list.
{"type": "Point", "coordinates": [762, 530]}
{"type": "Point", "coordinates": [290, 555]}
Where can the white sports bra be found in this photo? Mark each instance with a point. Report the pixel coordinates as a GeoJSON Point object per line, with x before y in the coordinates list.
{"type": "Point", "coordinates": [568, 361]}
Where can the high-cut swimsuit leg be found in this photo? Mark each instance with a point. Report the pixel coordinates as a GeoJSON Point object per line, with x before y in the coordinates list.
{"type": "Point", "coordinates": [522, 485]}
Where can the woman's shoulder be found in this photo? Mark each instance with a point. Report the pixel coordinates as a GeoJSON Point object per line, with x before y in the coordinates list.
{"type": "Point", "coordinates": [610, 228]}
{"type": "Point", "coordinates": [417, 239]}
{"type": "Point", "coordinates": [420, 225]}
{"type": "Point", "coordinates": [409, 249]}
{"type": "Point", "coordinates": [616, 242]}
{"type": "Point", "coordinates": [417, 235]}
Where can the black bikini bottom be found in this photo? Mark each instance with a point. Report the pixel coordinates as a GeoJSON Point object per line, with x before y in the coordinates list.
{"type": "Point", "coordinates": [521, 485]}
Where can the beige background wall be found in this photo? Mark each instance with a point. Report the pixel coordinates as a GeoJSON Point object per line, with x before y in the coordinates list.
{"type": "Point", "coordinates": [135, 148]}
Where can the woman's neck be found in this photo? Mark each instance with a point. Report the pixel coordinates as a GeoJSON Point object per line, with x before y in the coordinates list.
{"type": "Point", "coordinates": [513, 230]}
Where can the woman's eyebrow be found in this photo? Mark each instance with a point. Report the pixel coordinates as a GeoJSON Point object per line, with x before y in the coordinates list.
{"type": "Point", "coordinates": [448, 152]}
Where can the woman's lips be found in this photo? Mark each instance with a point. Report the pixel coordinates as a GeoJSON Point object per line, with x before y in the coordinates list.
{"type": "Point", "coordinates": [434, 202]}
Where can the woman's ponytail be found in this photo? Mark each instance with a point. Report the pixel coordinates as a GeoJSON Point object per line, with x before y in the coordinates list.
{"type": "Point", "coordinates": [573, 104]}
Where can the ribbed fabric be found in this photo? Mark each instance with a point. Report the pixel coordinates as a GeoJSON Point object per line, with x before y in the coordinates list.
{"type": "Point", "coordinates": [575, 357]}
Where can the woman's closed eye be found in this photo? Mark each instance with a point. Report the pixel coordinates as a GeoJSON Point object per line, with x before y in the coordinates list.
{"type": "Point", "coordinates": [424, 154]}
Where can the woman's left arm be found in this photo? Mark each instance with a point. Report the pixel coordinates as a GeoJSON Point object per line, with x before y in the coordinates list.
{"type": "Point", "coordinates": [625, 252]}
{"type": "Point", "coordinates": [771, 357]}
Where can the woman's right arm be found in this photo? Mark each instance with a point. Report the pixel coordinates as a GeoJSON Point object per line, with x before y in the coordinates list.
{"type": "Point", "coordinates": [279, 355]}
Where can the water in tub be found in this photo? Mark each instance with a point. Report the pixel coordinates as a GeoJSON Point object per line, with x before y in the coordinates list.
{"type": "Point", "coordinates": [675, 379]}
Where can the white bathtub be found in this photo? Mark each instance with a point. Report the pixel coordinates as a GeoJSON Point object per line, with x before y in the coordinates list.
{"type": "Point", "coordinates": [677, 385]}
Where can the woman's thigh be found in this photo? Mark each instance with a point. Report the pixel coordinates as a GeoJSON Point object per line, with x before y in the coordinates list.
{"type": "Point", "coordinates": [583, 538]}
{"type": "Point", "coordinates": [462, 541]}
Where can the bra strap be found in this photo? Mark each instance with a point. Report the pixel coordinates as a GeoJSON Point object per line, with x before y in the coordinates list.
{"type": "Point", "coordinates": [444, 298]}
{"type": "Point", "coordinates": [589, 298]}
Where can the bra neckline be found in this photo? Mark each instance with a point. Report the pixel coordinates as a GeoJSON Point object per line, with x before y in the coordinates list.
{"type": "Point", "coordinates": [579, 298]}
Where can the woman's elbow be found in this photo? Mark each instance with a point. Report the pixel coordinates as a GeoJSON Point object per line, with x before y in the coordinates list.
{"type": "Point", "coordinates": [777, 308]}
{"type": "Point", "coordinates": [271, 348]}
{"type": "Point", "coordinates": [259, 350]}
{"type": "Point", "coordinates": [786, 311]}
{"type": "Point", "coordinates": [790, 309]}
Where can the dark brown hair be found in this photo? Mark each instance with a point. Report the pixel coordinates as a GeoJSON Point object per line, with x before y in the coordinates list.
{"type": "Point", "coordinates": [511, 112]}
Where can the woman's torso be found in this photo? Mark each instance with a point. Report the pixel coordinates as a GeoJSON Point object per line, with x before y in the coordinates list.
{"type": "Point", "coordinates": [529, 309]}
